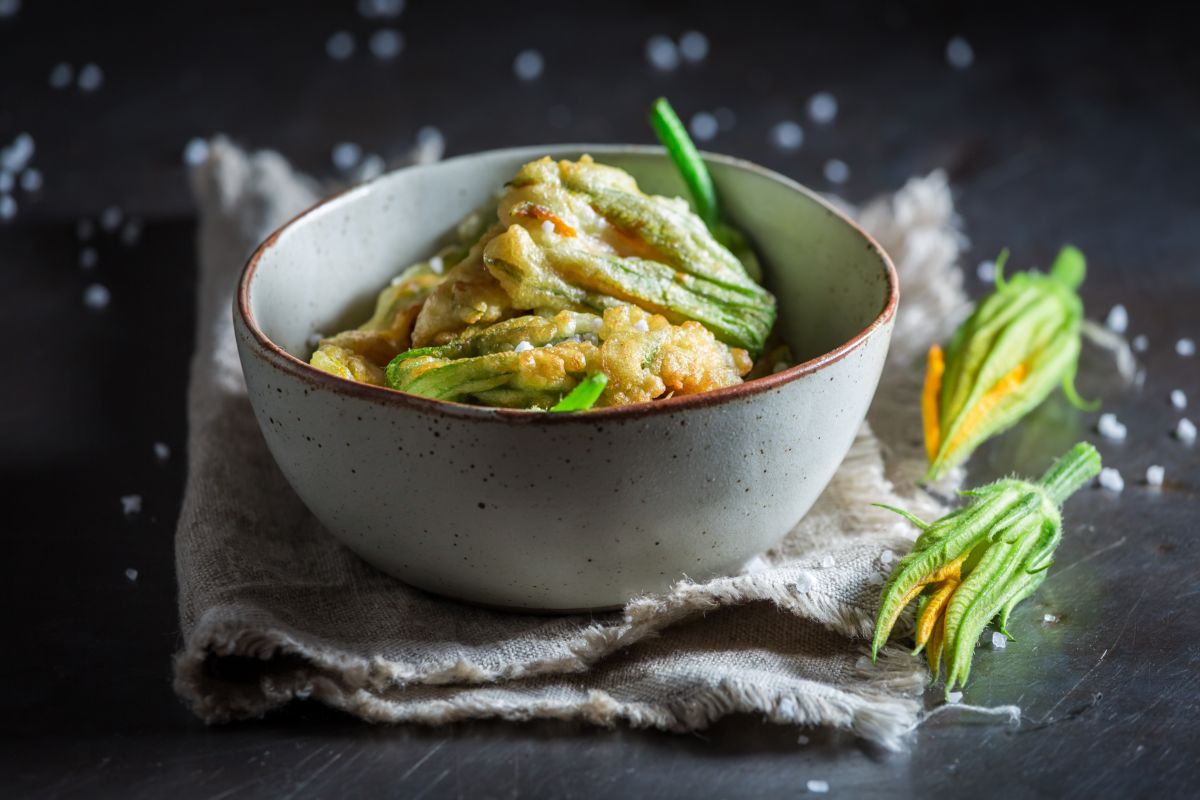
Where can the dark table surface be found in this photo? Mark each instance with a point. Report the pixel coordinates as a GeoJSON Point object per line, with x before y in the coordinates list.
{"type": "Point", "coordinates": [1068, 126]}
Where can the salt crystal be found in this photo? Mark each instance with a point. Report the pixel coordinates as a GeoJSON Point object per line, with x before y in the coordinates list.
{"type": "Point", "coordinates": [110, 218]}
{"type": "Point", "coordinates": [161, 451]}
{"type": "Point", "coordinates": [1185, 431]}
{"type": "Point", "coordinates": [559, 116]}
{"type": "Point", "coordinates": [863, 662]}
{"type": "Point", "coordinates": [372, 166]}
{"type": "Point", "coordinates": [1155, 475]}
{"type": "Point", "coordinates": [62, 75]}
{"type": "Point", "coordinates": [528, 65]}
{"type": "Point", "coordinates": [431, 145]}
{"type": "Point", "coordinates": [805, 582]}
{"type": "Point", "coordinates": [380, 8]}
{"type": "Point", "coordinates": [837, 171]}
{"type": "Point", "coordinates": [96, 296]}
{"type": "Point", "coordinates": [131, 504]}
{"type": "Point", "coordinates": [314, 339]}
{"type": "Point", "coordinates": [14, 157]}
{"type": "Point", "coordinates": [547, 226]}
{"type": "Point", "coordinates": [340, 45]}
{"type": "Point", "coordinates": [986, 271]}
{"type": "Point", "coordinates": [959, 53]}
{"type": "Point", "coordinates": [887, 557]}
{"type": "Point", "coordinates": [195, 152]}
{"type": "Point", "coordinates": [703, 126]}
{"type": "Point", "coordinates": [386, 44]}
{"type": "Point", "coordinates": [876, 579]}
{"type": "Point", "coordinates": [91, 77]}
{"type": "Point", "coordinates": [8, 208]}
{"type": "Point", "coordinates": [662, 53]}
{"type": "Point", "coordinates": [726, 119]}
{"type": "Point", "coordinates": [1110, 479]}
{"type": "Point", "coordinates": [1178, 399]}
{"type": "Point", "coordinates": [1049, 619]}
{"type": "Point", "coordinates": [1185, 347]}
{"type": "Point", "coordinates": [641, 326]}
{"type": "Point", "coordinates": [1118, 319]}
{"type": "Point", "coordinates": [1140, 343]}
{"type": "Point", "coordinates": [345, 155]}
{"type": "Point", "coordinates": [802, 739]}
{"type": "Point", "coordinates": [131, 575]}
{"type": "Point", "coordinates": [954, 697]}
{"type": "Point", "coordinates": [693, 46]}
{"type": "Point", "coordinates": [9, 8]}
{"type": "Point", "coordinates": [822, 108]}
{"type": "Point", "coordinates": [31, 180]}
{"type": "Point", "coordinates": [88, 258]}
{"type": "Point", "coordinates": [522, 346]}
{"type": "Point", "coordinates": [437, 264]}
{"type": "Point", "coordinates": [1111, 428]}
{"type": "Point", "coordinates": [132, 232]}
{"type": "Point", "coordinates": [85, 229]}
{"type": "Point", "coordinates": [999, 640]}
{"type": "Point", "coordinates": [787, 135]}
{"type": "Point", "coordinates": [818, 787]}
{"type": "Point", "coordinates": [827, 562]}
{"type": "Point", "coordinates": [7, 181]}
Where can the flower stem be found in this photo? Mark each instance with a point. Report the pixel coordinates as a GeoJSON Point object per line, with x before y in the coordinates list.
{"type": "Point", "coordinates": [1071, 472]}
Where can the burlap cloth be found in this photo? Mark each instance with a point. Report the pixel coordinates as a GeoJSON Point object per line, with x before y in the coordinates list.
{"type": "Point", "coordinates": [273, 608]}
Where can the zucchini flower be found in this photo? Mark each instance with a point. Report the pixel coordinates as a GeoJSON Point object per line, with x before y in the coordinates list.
{"type": "Point", "coordinates": [976, 564]}
{"type": "Point", "coordinates": [1021, 342]}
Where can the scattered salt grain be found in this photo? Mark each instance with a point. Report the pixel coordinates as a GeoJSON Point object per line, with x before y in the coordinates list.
{"type": "Point", "coordinates": [641, 326]}
{"type": "Point", "coordinates": [131, 575]}
{"type": "Point", "coordinates": [837, 171]}
{"type": "Point", "coordinates": [9, 8]}
{"type": "Point", "coordinates": [818, 787]}
{"type": "Point", "coordinates": [959, 53]}
{"type": "Point", "coordinates": [131, 504]}
{"type": "Point", "coordinates": [804, 582]}
{"type": "Point", "coordinates": [547, 226]}
{"type": "Point", "coordinates": [887, 557]}
{"type": "Point", "coordinates": [1185, 347]}
{"type": "Point", "coordinates": [954, 697]}
{"type": "Point", "coordinates": [827, 562]}
{"type": "Point", "coordinates": [703, 126]}
{"type": "Point", "coordinates": [802, 739]}
{"type": "Point", "coordinates": [371, 166]}
{"type": "Point", "coordinates": [528, 65]}
{"type": "Point", "coordinates": [7, 181]}
{"type": "Point", "coordinates": [14, 157]}
{"type": "Point", "coordinates": [1110, 479]}
{"type": "Point", "coordinates": [31, 180]}
{"type": "Point", "coordinates": [96, 296]}
{"type": "Point", "coordinates": [437, 264]}
{"type": "Point", "coordinates": [8, 208]}
{"type": "Point", "coordinates": [863, 662]}
{"type": "Point", "coordinates": [1185, 431]}
{"type": "Point", "coordinates": [1110, 427]}
{"type": "Point", "coordinates": [345, 155]}
{"type": "Point", "coordinates": [340, 45]}
{"type": "Point", "coordinates": [1155, 475]}
{"type": "Point", "coordinates": [726, 119]}
{"type": "Point", "coordinates": [693, 46]}
{"type": "Point", "coordinates": [161, 451]}
{"type": "Point", "coordinates": [85, 229]}
{"type": "Point", "coordinates": [62, 75]}
{"type": "Point", "coordinates": [91, 78]}
{"type": "Point", "coordinates": [195, 152]}
{"type": "Point", "coordinates": [1140, 343]}
{"type": "Point", "coordinates": [822, 108]}
{"type": "Point", "coordinates": [662, 53]}
{"type": "Point", "coordinates": [431, 145]}
{"type": "Point", "coordinates": [876, 579]}
{"type": "Point", "coordinates": [131, 232]}
{"type": "Point", "coordinates": [1118, 319]}
{"type": "Point", "coordinates": [110, 218]}
{"type": "Point", "coordinates": [787, 135]}
{"type": "Point", "coordinates": [1178, 399]}
{"type": "Point", "coordinates": [999, 640]}
{"type": "Point", "coordinates": [314, 339]}
{"type": "Point", "coordinates": [986, 271]}
{"type": "Point", "coordinates": [88, 258]}
{"type": "Point", "coordinates": [1049, 619]}
{"type": "Point", "coordinates": [522, 346]}
{"type": "Point", "coordinates": [380, 8]}
{"type": "Point", "coordinates": [386, 43]}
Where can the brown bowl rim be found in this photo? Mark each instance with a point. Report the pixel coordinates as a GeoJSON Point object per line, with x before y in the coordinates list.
{"type": "Point", "coordinates": [387, 396]}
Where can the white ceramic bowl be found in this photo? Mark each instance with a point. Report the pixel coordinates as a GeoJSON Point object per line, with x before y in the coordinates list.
{"type": "Point", "coordinates": [559, 511]}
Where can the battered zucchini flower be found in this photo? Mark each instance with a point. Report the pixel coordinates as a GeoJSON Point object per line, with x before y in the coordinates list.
{"type": "Point", "coordinates": [976, 564]}
{"type": "Point", "coordinates": [1006, 358]}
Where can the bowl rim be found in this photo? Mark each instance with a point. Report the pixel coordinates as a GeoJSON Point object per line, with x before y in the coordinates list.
{"type": "Point", "coordinates": [286, 362]}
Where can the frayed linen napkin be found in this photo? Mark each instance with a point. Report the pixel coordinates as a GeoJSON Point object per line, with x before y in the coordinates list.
{"type": "Point", "coordinates": [273, 608]}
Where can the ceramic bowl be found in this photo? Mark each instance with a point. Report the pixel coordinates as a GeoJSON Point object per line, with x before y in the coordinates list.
{"type": "Point", "coordinates": [558, 512]}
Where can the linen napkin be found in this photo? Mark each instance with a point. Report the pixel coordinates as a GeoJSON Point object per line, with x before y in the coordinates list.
{"type": "Point", "coordinates": [272, 608]}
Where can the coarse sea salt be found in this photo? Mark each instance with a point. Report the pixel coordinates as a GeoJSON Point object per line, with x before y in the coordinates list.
{"type": "Point", "coordinates": [954, 697]}
{"type": "Point", "coordinates": [7, 181]}
{"type": "Point", "coordinates": [131, 575]}
{"type": "Point", "coordinates": [8, 208]}
{"type": "Point", "coordinates": [161, 451]}
{"type": "Point", "coordinates": [802, 739]}
{"type": "Point", "coordinates": [959, 53]}
{"type": "Point", "coordinates": [818, 787]}
{"type": "Point", "coordinates": [345, 155]}
{"type": "Point", "coordinates": [386, 43]}
{"type": "Point", "coordinates": [96, 296]}
{"type": "Point", "coordinates": [547, 226]}
{"type": "Point", "coordinates": [999, 640]}
{"type": "Point", "coordinates": [529, 65]}
{"type": "Point", "coordinates": [131, 503]}
{"type": "Point", "coordinates": [110, 218]}
{"type": "Point", "coordinates": [195, 152]}
{"type": "Point", "coordinates": [1117, 320]}
{"type": "Point", "coordinates": [9, 8]}
{"type": "Point", "coordinates": [62, 75]}
{"type": "Point", "coordinates": [787, 135]}
{"type": "Point", "coordinates": [431, 145]}
{"type": "Point", "coordinates": [642, 326]}
{"type": "Point", "coordinates": [837, 171]}
{"type": "Point", "coordinates": [1049, 619]}
{"type": "Point", "coordinates": [522, 346]}
{"type": "Point", "coordinates": [1185, 431]}
{"type": "Point", "coordinates": [887, 557]}
{"type": "Point", "coordinates": [437, 265]}
{"type": "Point", "coordinates": [822, 108]}
{"type": "Point", "coordinates": [827, 562]}
{"type": "Point", "coordinates": [1155, 475]}
{"type": "Point", "coordinates": [703, 126]}
{"type": "Point", "coordinates": [662, 53]}
{"type": "Point", "coordinates": [1110, 427]}
{"type": "Point", "coordinates": [986, 271]}
{"type": "Point", "coordinates": [90, 78]}
{"type": "Point", "coordinates": [380, 8]}
{"type": "Point", "coordinates": [1110, 479]}
{"type": "Point", "coordinates": [1141, 343]}
{"type": "Point", "coordinates": [1178, 399]}
{"type": "Point", "coordinates": [693, 46]}
{"type": "Point", "coordinates": [340, 45]}
{"type": "Point", "coordinates": [804, 581]}
{"type": "Point", "coordinates": [31, 180]}
{"type": "Point", "coordinates": [88, 258]}
{"type": "Point", "coordinates": [1185, 347]}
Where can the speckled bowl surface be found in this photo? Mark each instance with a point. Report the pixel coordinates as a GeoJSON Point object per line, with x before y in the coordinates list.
{"type": "Point", "coordinates": [559, 511]}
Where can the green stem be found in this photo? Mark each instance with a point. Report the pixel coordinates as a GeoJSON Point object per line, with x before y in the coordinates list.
{"type": "Point", "coordinates": [1071, 472]}
{"type": "Point", "coordinates": [674, 137]}
{"type": "Point", "coordinates": [584, 395]}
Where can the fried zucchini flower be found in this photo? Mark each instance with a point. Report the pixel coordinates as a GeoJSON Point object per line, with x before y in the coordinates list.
{"type": "Point", "coordinates": [976, 564]}
{"type": "Point", "coordinates": [1021, 342]}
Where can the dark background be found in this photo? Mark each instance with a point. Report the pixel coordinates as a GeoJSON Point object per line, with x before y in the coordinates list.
{"type": "Point", "coordinates": [1071, 124]}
